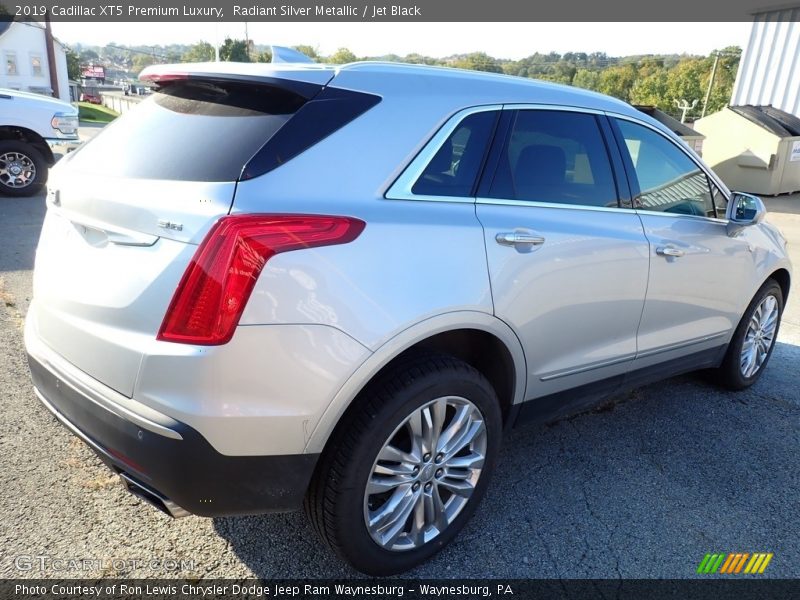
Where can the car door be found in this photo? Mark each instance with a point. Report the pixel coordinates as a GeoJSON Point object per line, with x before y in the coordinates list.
{"type": "Point", "coordinates": [568, 266]}
{"type": "Point", "coordinates": [697, 271]}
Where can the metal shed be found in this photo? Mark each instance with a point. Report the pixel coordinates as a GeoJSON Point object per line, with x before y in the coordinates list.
{"type": "Point", "coordinates": [753, 148]}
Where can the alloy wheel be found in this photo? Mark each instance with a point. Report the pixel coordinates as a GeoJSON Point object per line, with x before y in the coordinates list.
{"type": "Point", "coordinates": [759, 337]}
{"type": "Point", "coordinates": [17, 170]}
{"type": "Point", "coordinates": [425, 473]}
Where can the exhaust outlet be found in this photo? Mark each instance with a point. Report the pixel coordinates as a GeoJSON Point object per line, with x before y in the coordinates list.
{"type": "Point", "coordinates": [152, 497]}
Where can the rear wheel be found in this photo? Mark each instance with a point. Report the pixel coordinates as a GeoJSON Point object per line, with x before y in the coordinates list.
{"type": "Point", "coordinates": [754, 339]}
{"type": "Point", "coordinates": [408, 468]}
{"type": "Point", "coordinates": [23, 170]}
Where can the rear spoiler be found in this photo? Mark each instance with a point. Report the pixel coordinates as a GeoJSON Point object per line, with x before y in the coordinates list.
{"type": "Point", "coordinates": [305, 79]}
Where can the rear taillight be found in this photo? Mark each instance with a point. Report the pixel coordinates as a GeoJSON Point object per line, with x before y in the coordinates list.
{"type": "Point", "coordinates": [217, 284]}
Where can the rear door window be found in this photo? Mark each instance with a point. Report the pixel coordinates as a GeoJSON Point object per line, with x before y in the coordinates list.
{"type": "Point", "coordinates": [190, 131]}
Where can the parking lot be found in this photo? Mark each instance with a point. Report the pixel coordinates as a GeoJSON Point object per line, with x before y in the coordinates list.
{"type": "Point", "coordinates": [643, 488]}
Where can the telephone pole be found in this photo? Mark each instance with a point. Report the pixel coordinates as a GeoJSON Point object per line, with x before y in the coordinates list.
{"type": "Point", "coordinates": [710, 84]}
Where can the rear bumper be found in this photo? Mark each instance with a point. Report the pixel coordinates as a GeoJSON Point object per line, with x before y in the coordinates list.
{"type": "Point", "coordinates": [172, 465]}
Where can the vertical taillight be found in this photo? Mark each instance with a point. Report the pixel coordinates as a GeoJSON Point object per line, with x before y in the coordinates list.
{"type": "Point", "coordinates": [217, 284]}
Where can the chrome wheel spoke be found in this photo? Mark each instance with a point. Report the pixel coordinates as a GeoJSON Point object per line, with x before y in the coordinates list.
{"type": "Point", "coordinates": [459, 486]}
{"type": "Point", "coordinates": [470, 461]}
{"type": "Point", "coordinates": [434, 509]}
{"type": "Point", "coordinates": [392, 454]}
{"type": "Point", "coordinates": [392, 518]}
{"type": "Point", "coordinates": [433, 417]}
{"type": "Point", "coordinates": [379, 484]}
{"type": "Point", "coordinates": [460, 435]}
{"type": "Point", "coordinates": [425, 473]}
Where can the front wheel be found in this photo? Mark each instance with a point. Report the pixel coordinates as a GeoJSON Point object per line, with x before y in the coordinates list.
{"type": "Point", "coordinates": [409, 466]}
{"type": "Point", "coordinates": [754, 339]}
{"type": "Point", "coordinates": [23, 170]}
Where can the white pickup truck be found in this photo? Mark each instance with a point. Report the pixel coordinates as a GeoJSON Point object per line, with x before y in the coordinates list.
{"type": "Point", "coordinates": [34, 131]}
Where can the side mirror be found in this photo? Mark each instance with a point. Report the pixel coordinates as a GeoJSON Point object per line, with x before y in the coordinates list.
{"type": "Point", "coordinates": [744, 210]}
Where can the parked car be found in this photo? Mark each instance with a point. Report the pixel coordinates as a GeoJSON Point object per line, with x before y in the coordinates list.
{"type": "Point", "coordinates": [372, 273]}
{"type": "Point", "coordinates": [34, 131]}
{"type": "Point", "coordinates": [91, 98]}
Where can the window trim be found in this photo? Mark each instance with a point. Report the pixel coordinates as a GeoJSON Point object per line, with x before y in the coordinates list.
{"type": "Point", "coordinates": [710, 175]}
{"type": "Point", "coordinates": [620, 178]}
{"type": "Point", "coordinates": [33, 55]}
{"type": "Point", "coordinates": [402, 186]}
{"type": "Point", "coordinates": [11, 54]}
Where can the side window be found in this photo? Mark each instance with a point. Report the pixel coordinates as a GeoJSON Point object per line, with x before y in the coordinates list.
{"type": "Point", "coordinates": [669, 181]}
{"type": "Point", "coordinates": [454, 169]}
{"type": "Point", "coordinates": [557, 157]}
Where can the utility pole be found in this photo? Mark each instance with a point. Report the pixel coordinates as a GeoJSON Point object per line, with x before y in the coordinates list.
{"type": "Point", "coordinates": [710, 84]}
{"type": "Point", "coordinates": [51, 56]}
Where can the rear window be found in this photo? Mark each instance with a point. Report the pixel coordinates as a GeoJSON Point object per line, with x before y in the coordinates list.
{"type": "Point", "coordinates": [190, 131]}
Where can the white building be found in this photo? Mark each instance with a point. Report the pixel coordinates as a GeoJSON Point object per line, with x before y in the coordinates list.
{"type": "Point", "coordinates": [24, 66]}
{"type": "Point", "coordinates": [769, 72]}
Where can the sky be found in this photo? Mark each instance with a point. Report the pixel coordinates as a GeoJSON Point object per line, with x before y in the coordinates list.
{"type": "Point", "coordinates": [501, 40]}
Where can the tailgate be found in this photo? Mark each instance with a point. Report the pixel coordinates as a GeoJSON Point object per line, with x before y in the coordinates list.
{"type": "Point", "coordinates": [126, 211]}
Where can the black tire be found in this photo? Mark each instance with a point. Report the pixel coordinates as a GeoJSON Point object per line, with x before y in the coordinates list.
{"type": "Point", "coordinates": [27, 157]}
{"type": "Point", "coordinates": [336, 502]}
{"type": "Point", "coordinates": [730, 374]}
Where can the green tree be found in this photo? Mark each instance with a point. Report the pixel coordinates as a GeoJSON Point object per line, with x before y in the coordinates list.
{"type": "Point", "coordinates": [199, 52]}
{"type": "Point", "coordinates": [264, 57]}
{"type": "Point", "coordinates": [88, 56]}
{"type": "Point", "coordinates": [234, 51]}
{"type": "Point", "coordinates": [73, 65]}
{"type": "Point", "coordinates": [478, 61]}
{"type": "Point", "coordinates": [310, 51]}
{"type": "Point", "coordinates": [688, 81]}
{"type": "Point", "coordinates": [342, 56]}
{"type": "Point", "coordinates": [586, 79]}
{"type": "Point", "coordinates": [651, 90]}
{"type": "Point", "coordinates": [141, 61]}
{"type": "Point", "coordinates": [617, 81]}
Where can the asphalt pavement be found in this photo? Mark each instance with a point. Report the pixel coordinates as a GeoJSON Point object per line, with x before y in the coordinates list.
{"type": "Point", "coordinates": [641, 489]}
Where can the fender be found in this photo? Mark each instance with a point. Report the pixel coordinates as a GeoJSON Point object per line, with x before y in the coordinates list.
{"type": "Point", "coordinates": [404, 340]}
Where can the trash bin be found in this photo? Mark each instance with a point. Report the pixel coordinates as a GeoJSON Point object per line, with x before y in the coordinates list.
{"type": "Point", "coordinates": [753, 149]}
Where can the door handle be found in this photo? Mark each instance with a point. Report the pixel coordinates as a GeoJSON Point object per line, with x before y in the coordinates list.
{"type": "Point", "coordinates": [669, 251]}
{"type": "Point", "coordinates": [515, 238]}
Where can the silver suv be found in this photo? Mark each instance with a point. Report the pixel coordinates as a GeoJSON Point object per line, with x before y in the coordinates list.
{"type": "Point", "coordinates": [276, 285]}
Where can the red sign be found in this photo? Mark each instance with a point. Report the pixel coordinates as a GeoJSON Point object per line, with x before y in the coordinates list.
{"type": "Point", "coordinates": [93, 72]}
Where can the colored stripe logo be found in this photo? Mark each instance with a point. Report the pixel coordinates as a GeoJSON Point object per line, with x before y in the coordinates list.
{"type": "Point", "coordinates": [735, 563]}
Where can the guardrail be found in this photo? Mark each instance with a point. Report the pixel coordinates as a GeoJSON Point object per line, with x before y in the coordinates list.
{"type": "Point", "coordinates": [119, 102]}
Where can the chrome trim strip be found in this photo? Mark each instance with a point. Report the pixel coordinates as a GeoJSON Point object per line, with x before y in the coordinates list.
{"type": "Point", "coordinates": [590, 367]}
{"type": "Point", "coordinates": [661, 213]}
{"type": "Point", "coordinates": [505, 202]}
{"type": "Point", "coordinates": [679, 345]}
{"type": "Point", "coordinates": [558, 107]}
{"type": "Point", "coordinates": [401, 188]}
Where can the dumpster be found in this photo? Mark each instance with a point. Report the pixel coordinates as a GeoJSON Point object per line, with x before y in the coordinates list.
{"type": "Point", "coordinates": [753, 149]}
